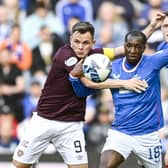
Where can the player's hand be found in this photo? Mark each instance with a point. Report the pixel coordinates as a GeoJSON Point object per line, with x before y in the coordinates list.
{"type": "Point", "coordinates": [155, 23]}
{"type": "Point", "coordinates": [136, 85]}
{"type": "Point", "coordinates": [157, 20]}
{"type": "Point", "coordinates": [77, 71]}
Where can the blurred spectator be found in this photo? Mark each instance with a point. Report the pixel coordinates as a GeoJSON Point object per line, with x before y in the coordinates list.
{"type": "Point", "coordinates": [31, 98]}
{"type": "Point", "coordinates": [126, 10]}
{"type": "Point", "coordinates": [41, 16]}
{"type": "Point", "coordinates": [8, 141]}
{"type": "Point", "coordinates": [102, 97]}
{"type": "Point", "coordinates": [105, 38]}
{"type": "Point", "coordinates": [50, 4]}
{"type": "Point", "coordinates": [72, 21]}
{"type": "Point", "coordinates": [95, 7]}
{"type": "Point", "coordinates": [11, 83]}
{"type": "Point", "coordinates": [96, 130]}
{"type": "Point", "coordinates": [150, 9]}
{"type": "Point", "coordinates": [105, 17]}
{"type": "Point", "coordinates": [13, 10]}
{"type": "Point", "coordinates": [5, 23]}
{"type": "Point", "coordinates": [66, 9]}
{"type": "Point", "coordinates": [91, 104]}
{"type": "Point", "coordinates": [21, 53]}
{"type": "Point", "coordinates": [44, 52]}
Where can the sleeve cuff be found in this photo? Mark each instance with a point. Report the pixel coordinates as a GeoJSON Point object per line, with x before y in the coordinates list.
{"type": "Point", "coordinates": [72, 77]}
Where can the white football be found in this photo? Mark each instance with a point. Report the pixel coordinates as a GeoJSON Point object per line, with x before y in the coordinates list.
{"type": "Point", "coordinates": [97, 67]}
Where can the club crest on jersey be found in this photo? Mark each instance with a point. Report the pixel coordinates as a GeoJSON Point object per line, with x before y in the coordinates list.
{"type": "Point", "coordinates": [71, 61]}
{"type": "Point", "coordinates": [116, 76]}
{"type": "Point", "coordinates": [20, 153]}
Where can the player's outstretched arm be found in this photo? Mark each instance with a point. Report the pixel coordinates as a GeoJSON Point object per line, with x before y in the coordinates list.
{"type": "Point", "coordinates": [150, 28]}
{"type": "Point", "coordinates": [155, 23]}
{"type": "Point", "coordinates": [131, 84]}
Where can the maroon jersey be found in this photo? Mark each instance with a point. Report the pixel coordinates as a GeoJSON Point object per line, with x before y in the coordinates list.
{"type": "Point", "coordinates": [58, 100]}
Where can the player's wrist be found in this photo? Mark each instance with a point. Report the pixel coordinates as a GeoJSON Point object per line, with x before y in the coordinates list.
{"type": "Point", "coordinates": [71, 75]}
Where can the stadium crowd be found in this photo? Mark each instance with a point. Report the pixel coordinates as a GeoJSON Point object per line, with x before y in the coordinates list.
{"type": "Point", "coordinates": [31, 31]}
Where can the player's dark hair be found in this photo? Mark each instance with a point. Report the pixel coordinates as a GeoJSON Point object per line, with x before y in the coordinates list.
{"type": "Point", "coordinates": [83, 27]}
{"type": "Point", "coordinates": [137, 34]}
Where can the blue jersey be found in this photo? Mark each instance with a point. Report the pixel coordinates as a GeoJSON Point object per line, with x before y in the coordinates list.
{"type": "Point", "coordinates": [139, 113]}
{"type": "Point", "coordinates": [163, 45]}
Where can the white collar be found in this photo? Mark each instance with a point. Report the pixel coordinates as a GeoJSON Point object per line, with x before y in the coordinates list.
{"type": "Point", "coordinates": [133, 69]}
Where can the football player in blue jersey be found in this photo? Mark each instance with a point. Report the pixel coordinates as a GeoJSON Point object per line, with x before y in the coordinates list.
{"type": "Point", "coordinates": [164, 45]}
{"type": "Point", "coordinates": [138, 116]}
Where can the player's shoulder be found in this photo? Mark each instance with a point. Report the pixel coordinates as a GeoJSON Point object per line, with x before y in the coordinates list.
{"type": "Point", "coordinates": [117, 61]}
{"type": "Point", "coordinates": [65, 49]}
{"type": "Point", "coordinates": [96, 50]}
{"type": "Point", "coordinates": [64, 52]}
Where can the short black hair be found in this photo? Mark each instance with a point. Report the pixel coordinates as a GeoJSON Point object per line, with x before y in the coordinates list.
{"type": "Point", "coordinates": [136, 33]}
{"type": "Point", "coordinates": [83, 27]}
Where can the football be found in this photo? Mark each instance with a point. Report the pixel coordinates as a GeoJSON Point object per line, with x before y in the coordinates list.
{"type": "Point", "coordinates": [97, 67]}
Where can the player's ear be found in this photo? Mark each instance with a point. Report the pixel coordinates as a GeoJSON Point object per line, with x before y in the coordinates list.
{"type": "Point", "coordinates": [70, 38]}
{"type": "Point", "coordinates": [144, 47]}
{"type": "Point", "coordinates": [93, 42]}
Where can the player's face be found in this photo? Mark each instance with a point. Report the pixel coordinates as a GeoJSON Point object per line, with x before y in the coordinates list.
{"type": "Point", "coordinates": [134, 48]}
{"type": "Point", "coordinates": [164, 28]}
{"type": "Point", "coordinates": [81, 43]}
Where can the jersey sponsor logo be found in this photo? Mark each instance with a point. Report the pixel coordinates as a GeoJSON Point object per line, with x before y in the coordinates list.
{"type": "Point", "coordinates": [116, 76]}
{"type": "Point", "coordinates": [124, 91]}
{"type": "Point", "coordinates": [71, 61]}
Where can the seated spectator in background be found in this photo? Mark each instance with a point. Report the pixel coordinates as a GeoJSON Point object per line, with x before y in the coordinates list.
{"type": "Point", "coordinates": [11, 83]}
{"type": "Point", "coordinates": [8, 141]}
{"type": "Point", "coordinates": [72, 21]}
{"type": "Point", "coordinates": [126, 10]}
{"type": "Point", "coordinates": [31, 98]}
{"type": "Point", "coordinates": [5, 23]}
{"type": "Point", "coordinates": [50, 4]}
{"type": "Point", "coordinates": [66, 9]}
{"type": "Point", "coordinates": [105, 37]}
{"type": "Point", "coordinates": [44, 52]}
{"type": "Point", "coordinates": [107, 18]}
{"type": "Point", "coordinates": [95, 7]}
{"type": "Point", "coordinates": [151, 7]}
{"type": "Point", "coordinates": [12, 9]}
{"type": "Point", "coordinates": [41, 16]}
{"type": "Point", "coordinates": [21, 52]}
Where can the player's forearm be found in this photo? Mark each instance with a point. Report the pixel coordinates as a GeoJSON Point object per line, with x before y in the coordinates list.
{"type": "Point", "coordinates": [131, 84]}
{"type": "Point", "coordinates": [119, 52]}
{"type": "Point", "coordinates": [155, 23]}
{"type": "Point", "coordinates": [149, 30]}
{"type": "Point", "coordinates": [109, 83]}
{"type": "Point", "coordinates": [80, 89]}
